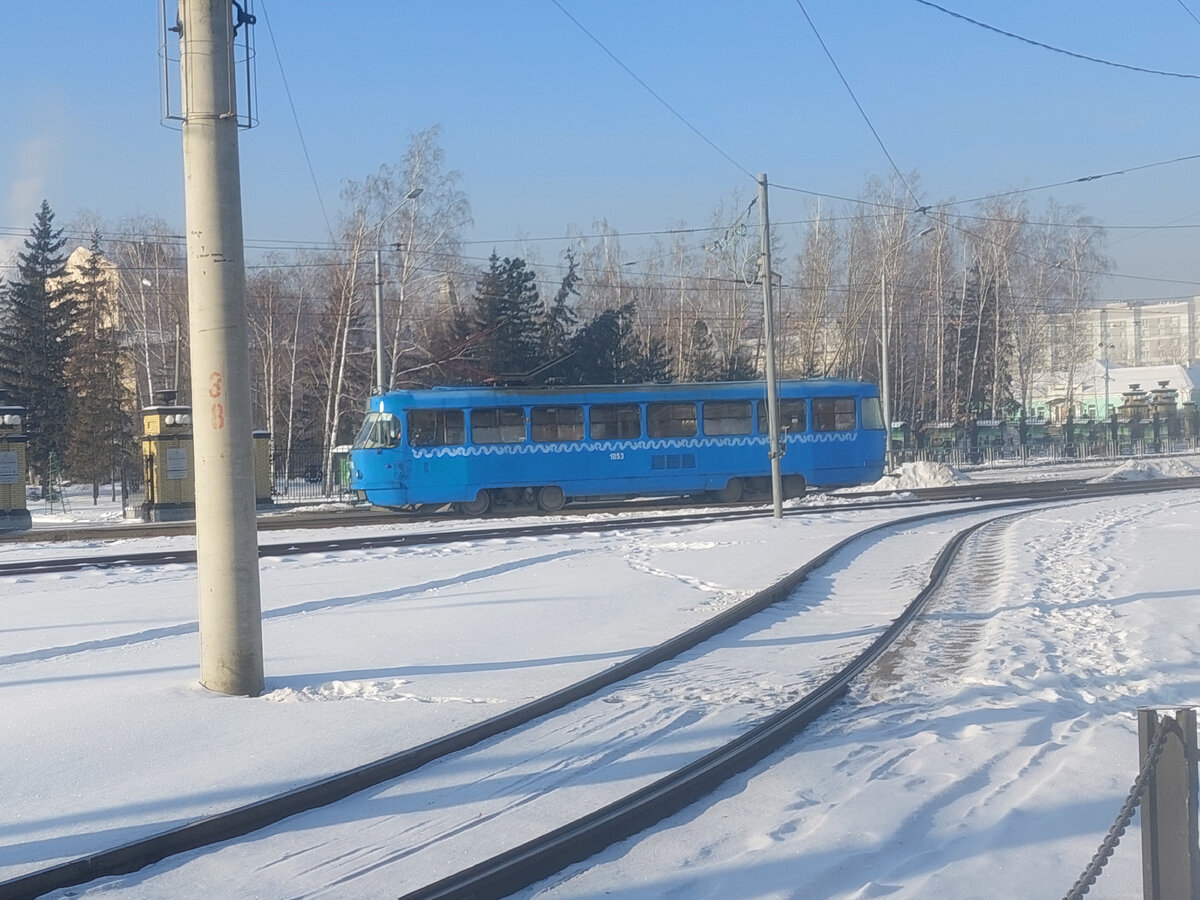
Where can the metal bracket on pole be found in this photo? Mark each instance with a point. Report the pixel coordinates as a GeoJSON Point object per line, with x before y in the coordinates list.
{"type": "Point", "coordinates": [1170, 845]}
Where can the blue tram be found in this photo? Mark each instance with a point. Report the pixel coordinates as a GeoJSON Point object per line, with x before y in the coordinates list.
{"type": "Point", "coordinates": [481, 447]}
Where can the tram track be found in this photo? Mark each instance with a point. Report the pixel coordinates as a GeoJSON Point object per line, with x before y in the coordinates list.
{"type": "Point", "coordinates": [527, 861]}
{"type": "Point", "coordinates": [354, 517]}
{"type": "Point", "coordinates": [583, 520]}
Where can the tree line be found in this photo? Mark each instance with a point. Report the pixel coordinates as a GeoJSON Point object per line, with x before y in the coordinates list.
{"type": "Point", "coordinates": [977, 302]}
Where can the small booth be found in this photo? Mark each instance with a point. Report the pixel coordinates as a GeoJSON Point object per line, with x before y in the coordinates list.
{"type": "Point", "coordinates": [167, 460]}
{"type": "Point", "coordinates": [941, 440]}
{"type": "Point", "coordinates": [14, 515]}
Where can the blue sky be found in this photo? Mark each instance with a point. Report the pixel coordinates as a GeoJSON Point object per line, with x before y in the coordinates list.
{"type": "Point", "coordinates": [549, 132]}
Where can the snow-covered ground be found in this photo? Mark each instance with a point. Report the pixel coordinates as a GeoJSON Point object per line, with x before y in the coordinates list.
{"type": "Point", "coordinates": [986, 761]}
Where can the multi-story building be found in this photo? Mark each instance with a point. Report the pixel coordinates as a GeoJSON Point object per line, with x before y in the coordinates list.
{"type": "Point", "coordinates": [1145, 334]}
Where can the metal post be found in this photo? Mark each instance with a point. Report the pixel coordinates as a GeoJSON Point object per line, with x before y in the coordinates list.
{"type": "Point", "coordinates": [383, 381]}
{"type": "Point", "coordinates": [380, 384]}
{"type": "Point", "coordinates": [885, 393]}
{"type": "Point", "coordinates": [231, 658]}
{"type": "Point", "coordinates": [769, 337]}
{"type": "Point", "coordinates": [1170, 851]}
{"type": "Point", "coordinates": [1107, 376]}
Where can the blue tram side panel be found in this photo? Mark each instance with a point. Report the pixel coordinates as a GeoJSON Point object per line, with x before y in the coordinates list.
{"type": "Point", "coordinates": [478, 447]}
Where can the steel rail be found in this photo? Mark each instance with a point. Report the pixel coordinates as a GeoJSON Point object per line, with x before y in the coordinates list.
{"type": "Point", "coordinates": [359, 517]}
{"type": "Point", "coordinates": [257, 815]}
{"type": "Point", "coordinates": [550, 853]}
{"type": "Point", "coordinates": [992, 491]}
{"type": "Point", "coordinates": [254, 816]}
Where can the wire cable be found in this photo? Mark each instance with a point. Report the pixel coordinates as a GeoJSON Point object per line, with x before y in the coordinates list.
{"type": "Point", "coordinates": [1085, 57]}
{"type": "Point", "coordinates": [296, 118]}
{"type": "Point", "coordinates": [1188, 11]}
{"type": "Point", "coordinates": [653, 93]}
{"type": "Point", "coordinates": [1081, 180]}
{"type": "Point", "coordinates": [861, 111]}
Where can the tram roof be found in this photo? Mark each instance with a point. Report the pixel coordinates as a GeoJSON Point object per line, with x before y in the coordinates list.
{"type": "Point", "coordinates": [449, 396]}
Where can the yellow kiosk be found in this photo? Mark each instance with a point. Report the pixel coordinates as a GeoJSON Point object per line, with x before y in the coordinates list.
{"type": "Point", "coordinates": [167, 460]}
{"type": "Point", "coordinates": [169, 464]}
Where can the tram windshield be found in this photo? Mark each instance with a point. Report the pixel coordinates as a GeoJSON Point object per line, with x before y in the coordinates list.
{"type": "Point", "coordinates": [872, 414]}
{"type": "Point", "coordinates": [379, 430]}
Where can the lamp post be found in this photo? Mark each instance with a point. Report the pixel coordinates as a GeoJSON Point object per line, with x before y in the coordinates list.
{"type": "Point", "coordinates": [1107, 378]}
{"type": "Point", "coordinates": [884, 328]}
{"type": "Point", "coordinates": [381, 382]}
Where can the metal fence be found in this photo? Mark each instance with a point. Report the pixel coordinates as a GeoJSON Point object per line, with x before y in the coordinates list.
{"type": "Point", "coordinates": [304, 478]}
{"type": "Point", "coordinates": [1035, 454]}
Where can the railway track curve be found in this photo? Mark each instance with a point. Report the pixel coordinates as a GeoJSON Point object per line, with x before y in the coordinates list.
{"type": "Point", "coordinates": [530, 861]}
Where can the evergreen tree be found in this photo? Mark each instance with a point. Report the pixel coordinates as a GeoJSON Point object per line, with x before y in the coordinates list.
{"type": "Point", "coordinates": [701, 361]}
{"type": "Point", "coordinates": [100, 429]}
{"type": "Point", "coordinates": [607, 351]}
{"type": "Point", "coordinates": [36, 330]}
{"type": "Point", "coordinates": [739, 365]}
{"type": "Point", "coordinates": [510, 314]}
{"type": "Point", "coordinates": [560, 317]}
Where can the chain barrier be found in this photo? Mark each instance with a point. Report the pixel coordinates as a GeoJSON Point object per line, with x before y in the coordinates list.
{"type": "Point", "coordinates": [1108, 846]}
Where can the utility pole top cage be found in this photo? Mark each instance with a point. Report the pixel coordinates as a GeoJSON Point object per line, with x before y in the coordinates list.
{"type": "Point", "coordinates": [243, 95]}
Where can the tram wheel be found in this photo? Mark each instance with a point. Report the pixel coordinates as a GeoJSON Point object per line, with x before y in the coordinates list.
{"type": "Point", "coordinates": [477, 507]}
{"type": "Point", "coordinates": [732, 492]}
{"type": "Point", "coordinates": [794, 486]}
{"type": "Point", "coordinates": [551, 498]}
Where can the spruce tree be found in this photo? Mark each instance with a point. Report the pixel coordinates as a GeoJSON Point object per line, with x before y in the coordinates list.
{"type": "Point", "coordinates": [701, 362]}
{"type": "Point", "coordinates": [508, 317]}
{"type": "Point", "coordinates": [560, 316]}
{"type": "Point", "coordinates": [100, 429]}
{"type": "Point", "coordinates": [36, 330]}
{"type": "Point", "coordinates": [608, 351]}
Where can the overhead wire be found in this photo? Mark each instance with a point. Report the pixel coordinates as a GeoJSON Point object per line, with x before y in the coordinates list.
{"type": "Point", "coordinates": [1188, 11]}
{"type": "Point", "coordinates": [653, 93]}
{"type": "Point", "coordinates": [1080, 180]}
{"type": "Point", "coordinates": [862, 112]}
{"type": "Point", "coordinates": [1052, 48]}
{"type": "Point", "coordinates": [296, 118]}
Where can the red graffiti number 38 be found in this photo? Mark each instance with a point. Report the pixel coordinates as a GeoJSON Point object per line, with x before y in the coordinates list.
{"type": "Point", "coordinates": [215, 390]}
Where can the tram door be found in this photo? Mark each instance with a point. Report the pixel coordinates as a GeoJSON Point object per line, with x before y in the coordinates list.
{"type": "Point", "coordinates": [835, 448]}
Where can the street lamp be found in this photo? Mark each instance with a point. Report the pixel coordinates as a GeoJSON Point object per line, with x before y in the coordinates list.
{"type": "Point", "coordinates": [1104, 348]}
{"type": "Point", "coordinates": [380, 382]}
{"type": "Point", "coordinates": [884, 327]}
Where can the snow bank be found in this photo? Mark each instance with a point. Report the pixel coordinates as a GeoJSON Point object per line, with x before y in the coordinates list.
{"type": "Point", "coordinates": [914, 475]}
{"type": "Point", "coordinates": [1146, 470]}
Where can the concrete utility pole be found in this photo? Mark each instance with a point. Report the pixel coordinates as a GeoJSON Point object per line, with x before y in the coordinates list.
{"type": "Point", "coordinates": [231, 658]}
{"type": "Point", "coordinates": [380, 376]}
{"type": "Point", "coordinates": [382, 381]}
{"type": "Point", "coordinates": [773, 448]}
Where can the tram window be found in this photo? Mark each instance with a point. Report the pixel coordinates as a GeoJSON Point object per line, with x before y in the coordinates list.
{"type": "Point", "coordinates": [436, 427]}
{"type": "Point", "coordinates": [556, 423]}
{"type": "Point", "coordinates": [502, 425]}
{"type": "Point", "coordinates": [671, 419]}
{"type": "Point", "coordinates": [834, 414]}
{"type": "Point", "coordinates": [793, 417]}
{"type": "Point", "coordinates": [727, 417]}
{"type": "Point", "coordinates": [616, 421]}
{"type": "Point", "coordinates": [378, 430]}
{"type": "Point", "coordinates": [872, 413]}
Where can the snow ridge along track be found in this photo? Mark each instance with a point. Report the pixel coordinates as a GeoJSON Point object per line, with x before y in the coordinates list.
{"type": "Point", "coordinates": [697, 777]}
{"type": "Point", "coordinates": [544, 856]}
{"type": "Point", "coordinates": [254, 816]}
